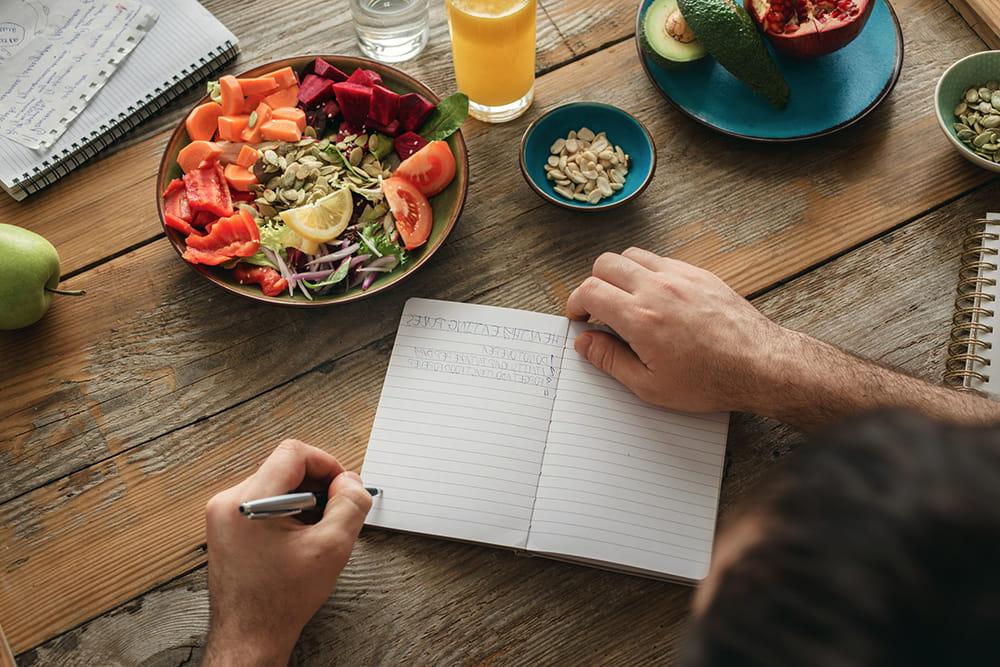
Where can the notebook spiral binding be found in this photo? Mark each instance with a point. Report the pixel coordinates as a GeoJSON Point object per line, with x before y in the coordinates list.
{"type": "Point", "coordinates": [72, 157]}
{"type": "Point", "coordinates": [965, 364]}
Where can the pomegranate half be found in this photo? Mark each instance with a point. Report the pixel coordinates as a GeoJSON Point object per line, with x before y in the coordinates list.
{"type": "Point", "coordinates": [810, 28]}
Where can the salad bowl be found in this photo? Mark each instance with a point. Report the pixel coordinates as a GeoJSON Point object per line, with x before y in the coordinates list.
{"type": "Point", "coordinates": [446, 205]}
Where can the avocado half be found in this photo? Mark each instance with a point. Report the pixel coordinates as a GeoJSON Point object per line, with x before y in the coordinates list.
{"type": "Point", "coordinates": [667, 36]}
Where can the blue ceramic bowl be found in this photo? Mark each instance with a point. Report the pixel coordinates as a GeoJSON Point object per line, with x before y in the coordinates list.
{"type": "Point", "coordinates": [621, 128]}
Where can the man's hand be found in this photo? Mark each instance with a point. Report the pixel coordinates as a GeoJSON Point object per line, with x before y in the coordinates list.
{"type": "Point", "coordinates": [267, 578]}
{"type": "Point", "coordinates": [693, 344]}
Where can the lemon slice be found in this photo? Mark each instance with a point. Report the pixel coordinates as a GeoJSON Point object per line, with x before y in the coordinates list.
{"type": "Point", "coordinates": [324, 220]}
{"type": "Point", "coordinates": [293, 240]}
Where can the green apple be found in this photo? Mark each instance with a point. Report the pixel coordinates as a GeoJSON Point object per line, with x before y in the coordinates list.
{"type": "Point", "coordinates": [29, 276]}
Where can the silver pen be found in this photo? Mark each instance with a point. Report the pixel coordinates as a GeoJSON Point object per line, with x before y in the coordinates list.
{"type": "Point", "coordinates": [288, 504]}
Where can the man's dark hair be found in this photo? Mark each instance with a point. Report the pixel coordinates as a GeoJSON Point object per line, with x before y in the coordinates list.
{"type": "Point", "coordinates": [879, 545]}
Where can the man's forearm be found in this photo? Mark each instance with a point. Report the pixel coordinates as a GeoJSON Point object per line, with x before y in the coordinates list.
{"type": "Point", "coordinates": [808, 384]}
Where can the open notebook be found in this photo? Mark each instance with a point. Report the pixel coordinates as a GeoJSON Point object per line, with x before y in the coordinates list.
{"type": "Point", "coordinates": [183, 47]}
{"type": "Point", "coordinates": [492, 429]}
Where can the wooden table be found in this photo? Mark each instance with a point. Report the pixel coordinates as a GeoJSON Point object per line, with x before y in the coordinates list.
{"type": "Point", "coordinates": [122, 412]}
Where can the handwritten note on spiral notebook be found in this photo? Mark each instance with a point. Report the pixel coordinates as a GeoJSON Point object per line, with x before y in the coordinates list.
{"type": "Point", "coordinates": [492, 429]}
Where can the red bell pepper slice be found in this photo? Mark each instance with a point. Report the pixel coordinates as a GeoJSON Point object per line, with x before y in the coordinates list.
{"type": "Point", "coordinates": [235, 236]}
{"type": "Point", "coordinates": [207, 190]}
{"type": "Point", "coordinates": [175, 201]}
{"type": "Point", "coordinates": [181, 225]}
{"type": "Point", "coordinates": [270, 281]}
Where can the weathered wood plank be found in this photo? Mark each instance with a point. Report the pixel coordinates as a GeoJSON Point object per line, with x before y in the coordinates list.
{"type": "Point", "coordinates": [414, 600]}
{"type": "Point", "coordinates": [148, 349]}
{"type": "Point", "coordinates": [983, 16]}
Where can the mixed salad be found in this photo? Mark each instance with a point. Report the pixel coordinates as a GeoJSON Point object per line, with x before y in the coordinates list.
{"type": "Point", "coordinates": [310, 185]}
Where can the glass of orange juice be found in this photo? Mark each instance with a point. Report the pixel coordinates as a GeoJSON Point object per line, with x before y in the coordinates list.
{"type": "Point", "coordinates": [493, 46]}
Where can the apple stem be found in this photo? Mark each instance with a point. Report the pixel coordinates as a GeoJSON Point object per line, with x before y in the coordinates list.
{"type": "Point", "coordinates": [65, 292]}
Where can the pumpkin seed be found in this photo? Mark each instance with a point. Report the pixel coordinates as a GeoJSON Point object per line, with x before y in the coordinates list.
{"type": "Point", "coordinates": [361, 141]}
{"type": "Point", "coordinates": [961, 109]}
{"type": "Point", "coordinates": [984, 138]}
{"type": "Point", "coordinates": [972, 95]}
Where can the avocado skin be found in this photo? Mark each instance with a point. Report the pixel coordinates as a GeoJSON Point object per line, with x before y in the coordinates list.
{"type": "Point", "coordinates": [728, 32]}
{"type": "Point", "coordinates": [646, 40]}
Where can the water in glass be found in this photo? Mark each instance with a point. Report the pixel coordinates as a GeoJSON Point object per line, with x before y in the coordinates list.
{"type": "Point", "coordinates": [391, 30]}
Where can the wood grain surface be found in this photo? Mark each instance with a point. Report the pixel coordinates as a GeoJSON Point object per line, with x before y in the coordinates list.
{"type": "Point", "coordinates": [122, 412]}
{"type": "Point", "coordinates": [983, 16]}
{"type": "Point", "coordinates": [414, 600]}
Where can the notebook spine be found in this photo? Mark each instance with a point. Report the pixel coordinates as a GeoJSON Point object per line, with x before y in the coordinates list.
{"type": "Point", "coordinates": [966, 366]}
{"type": "Point", "coordinates": [77, 154]}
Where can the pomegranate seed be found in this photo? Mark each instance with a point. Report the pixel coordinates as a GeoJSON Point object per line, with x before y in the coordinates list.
{"type": "Point", "coordinates": [790, 28]}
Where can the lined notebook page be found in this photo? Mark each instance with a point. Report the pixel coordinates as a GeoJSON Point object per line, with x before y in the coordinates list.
{"type": "Point", "coordinates": [184, 35]}
{"type": "Point", "coordinates": [623, 482]}
{"type": "Point", "coordinates": [460, 429]}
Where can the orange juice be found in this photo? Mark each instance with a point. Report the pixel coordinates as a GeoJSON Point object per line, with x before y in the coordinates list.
{"type": "Point", "coordinates": [493, 46]}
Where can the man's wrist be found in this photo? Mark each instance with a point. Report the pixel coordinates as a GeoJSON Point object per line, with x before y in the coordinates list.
{"type": "Point", "coordinates": [256, 648]}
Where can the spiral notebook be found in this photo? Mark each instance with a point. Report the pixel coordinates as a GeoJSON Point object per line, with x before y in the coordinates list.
{"type": "Point", "coordinates": [183, 47]}
{"type": "Point", "coordinates": [491, 429]}
{"type": "Point", "coordinates": [974, 350]}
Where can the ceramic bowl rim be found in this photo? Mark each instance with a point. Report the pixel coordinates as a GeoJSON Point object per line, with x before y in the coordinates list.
{"type": "Point", "coordinates": [581, 207]}
{"type": "Point", "coordinates": [319, 302]}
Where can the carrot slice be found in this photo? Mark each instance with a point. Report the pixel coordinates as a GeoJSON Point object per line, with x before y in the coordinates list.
{"type": "Point", "coordinates": [284, 77]}
{"type": "Point", "coordinates": [261, 85]}
{"type": "Point", "coordinates": [252, 135]}
{"type": "Point", "coordinates": [202, 121]}
{"type": "Point", "coordinates": [231, 127]}
{"type": "Point", "coordinates": [294, 114]}
{"type": "Point", "coordinates": [281, 130]}
{"type": "Point", "coordinates": [232, 95]}
{"type": "Point", "coordinates": [286, 97]}
{"type": "Point", "coordinates": [247, 157]}
{"type": "Point", "coordinates": [250, 102]}
{"type": "Point", "coordinates": [191, 156]}
{"type": "Point", "coordinates": [240, 178]}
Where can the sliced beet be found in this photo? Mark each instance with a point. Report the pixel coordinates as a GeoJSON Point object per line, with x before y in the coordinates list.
{"type": "Point", "coordinates": [365, 77]}
{"type": "Point", "coordinates": [392, 129]}
{"type": "Point", "coordinates": [354, 100]}
{"type": "Point", "coordinates": [347, 128]}
{"type": "Point", "coordinates": [407, 144]}
{"type": "Point", "coordinates": [413, 111]}
{"type": "Point", "coordinates": [328, 71]}
{"type": "Point", "coordinates": [318, 120]}
{"type": "Point", "coordinates": [314, 90]}
{"type": "Point", "coordinates": [331, 109]}
{"type": "Point", "coordinates": [385, 106]}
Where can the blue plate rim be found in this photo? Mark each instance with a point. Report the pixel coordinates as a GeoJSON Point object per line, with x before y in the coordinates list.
{"type": "Point", "coordinates": [573, 206]}
{"type": "Point", "coordinates": [889, 86]}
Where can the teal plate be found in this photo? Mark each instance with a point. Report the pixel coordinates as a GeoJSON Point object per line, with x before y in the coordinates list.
{"type": "Point", "coordinates": [828, 93]}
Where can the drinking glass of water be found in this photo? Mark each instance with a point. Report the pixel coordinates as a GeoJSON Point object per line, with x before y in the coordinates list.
{"type": "Point", "coordinates": [391, 31]}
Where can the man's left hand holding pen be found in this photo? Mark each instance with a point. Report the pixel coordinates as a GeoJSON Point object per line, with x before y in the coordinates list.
{"type": "Point", "coordinates": [266, 579]}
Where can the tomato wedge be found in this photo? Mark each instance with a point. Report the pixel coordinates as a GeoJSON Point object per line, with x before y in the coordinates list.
{"type": "Point", "coordinates": [431, 168]}
{"type": "Point", "coordinates": [270, 281]}
{"type": "Point", "coordinates": [235, 236]}
{"type": "Point", "coordinates": [410, 208]}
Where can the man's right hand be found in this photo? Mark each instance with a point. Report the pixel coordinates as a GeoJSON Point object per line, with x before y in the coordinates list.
{"type": "Point", "coordinates": [690, 342]}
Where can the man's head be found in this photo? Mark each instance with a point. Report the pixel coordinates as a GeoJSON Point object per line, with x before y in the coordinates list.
{"type": "Point", "coordinates": [876, 545]}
